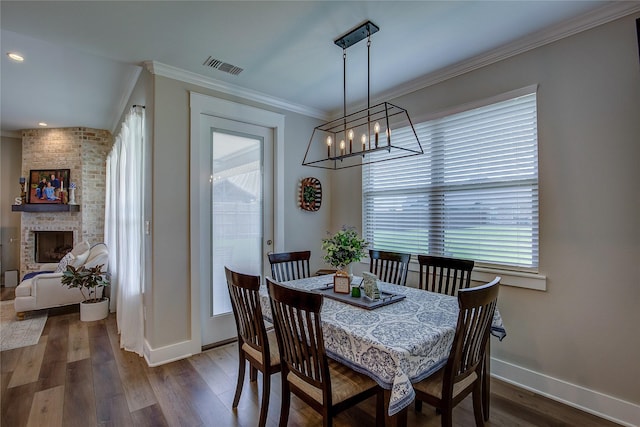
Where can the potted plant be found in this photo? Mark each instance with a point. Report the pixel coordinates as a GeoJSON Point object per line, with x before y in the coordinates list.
{"type": "Point", "coordinates": [344, 248]}
{"type": "Point", "coordinates": [90, 281]}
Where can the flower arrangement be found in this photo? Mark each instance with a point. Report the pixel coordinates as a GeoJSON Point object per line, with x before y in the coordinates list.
{"type": "Point", "coordinates": [72, 186]}
{"type": "Point", "coordinates": [343, 248]}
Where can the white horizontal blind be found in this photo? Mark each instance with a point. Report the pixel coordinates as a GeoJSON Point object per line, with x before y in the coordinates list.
{"type": "Point", "coordinates": [473, 194]}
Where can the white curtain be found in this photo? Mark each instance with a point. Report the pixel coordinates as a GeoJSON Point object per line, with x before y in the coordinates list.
{"type": "Point", "coordinates": [124, 229]}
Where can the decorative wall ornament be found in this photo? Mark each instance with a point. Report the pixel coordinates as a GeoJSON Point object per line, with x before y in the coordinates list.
{"type": "Point", "coordinates": [310, 194]}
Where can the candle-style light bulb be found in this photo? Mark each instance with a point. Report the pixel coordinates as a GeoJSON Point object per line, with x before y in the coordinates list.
{"type": "Point", "coordinates": [342, 147]}
{"type": "Point", "coordinates": [376, 130]}
{"type": "Point", "coordinates": [328, 146]}
{"type": "Point", "coordinates": [350, 140]}
{"type": "Point", "coordinates": [363, 138]}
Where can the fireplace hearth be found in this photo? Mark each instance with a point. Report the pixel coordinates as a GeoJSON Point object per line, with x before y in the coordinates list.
{"type": "Point", "coordinates": [51, 246]}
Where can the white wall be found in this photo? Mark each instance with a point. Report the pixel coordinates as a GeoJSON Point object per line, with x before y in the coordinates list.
{"type": "Point", "coordinates": [583, 329]}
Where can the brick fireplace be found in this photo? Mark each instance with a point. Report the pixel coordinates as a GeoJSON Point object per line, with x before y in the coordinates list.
{"type": "Point", "coordinates": [84, 152]}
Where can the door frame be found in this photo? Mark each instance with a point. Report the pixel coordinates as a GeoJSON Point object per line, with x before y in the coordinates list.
{"type": "Point", "coordinates": [199, 178]}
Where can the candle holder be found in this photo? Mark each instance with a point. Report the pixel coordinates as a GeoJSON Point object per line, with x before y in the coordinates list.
{"type": "Point", "coordinates": [23, 189]}
{"type": "Point", "coordinates": [376, 124]}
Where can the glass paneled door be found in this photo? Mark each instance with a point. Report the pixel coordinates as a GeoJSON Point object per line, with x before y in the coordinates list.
{"type": "Point", "coordinates": [241, 216]}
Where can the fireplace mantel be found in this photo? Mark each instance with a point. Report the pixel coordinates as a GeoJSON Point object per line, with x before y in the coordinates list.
{"type": "Point", "coordinates": [44, 207]}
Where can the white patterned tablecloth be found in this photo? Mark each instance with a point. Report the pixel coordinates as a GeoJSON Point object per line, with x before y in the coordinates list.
{"type": "Point", "coordinates": [397, 344]}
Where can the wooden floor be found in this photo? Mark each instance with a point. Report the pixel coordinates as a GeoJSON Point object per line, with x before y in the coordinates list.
{"type": "Point", "coordinates": [78, 376]}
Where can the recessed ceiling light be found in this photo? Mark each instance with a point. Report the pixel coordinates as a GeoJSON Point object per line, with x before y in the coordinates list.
{"type": "Point", "coordinates": [43, 124]}
{"type": "Point", "coordinates": [15, 57]}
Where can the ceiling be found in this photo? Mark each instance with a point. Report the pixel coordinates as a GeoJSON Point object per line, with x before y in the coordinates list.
{"type": "Point", "coordinates": [82, 57]}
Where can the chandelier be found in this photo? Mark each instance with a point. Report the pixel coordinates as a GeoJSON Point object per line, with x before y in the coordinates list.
{"type": "Point", "coordinates": [376, 133]}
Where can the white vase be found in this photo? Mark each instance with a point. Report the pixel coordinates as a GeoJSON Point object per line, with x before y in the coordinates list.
{"type": "Point", "coordinates": [72, 196]}
{"type": "Point", "coordinates": [90, 311]}
{"type": "Point", "coordinates": [347, 269]}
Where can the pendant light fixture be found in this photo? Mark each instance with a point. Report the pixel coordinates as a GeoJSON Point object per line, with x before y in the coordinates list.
{"type": "Point", "coordinates": [366, 136]}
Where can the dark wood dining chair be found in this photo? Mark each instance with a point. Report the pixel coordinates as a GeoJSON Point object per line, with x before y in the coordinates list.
{"type": "Point", "coordinates": [255, 345]}
{"type": "Point", "coordinates": [287, 266]}
{"type": "Point", "coordinates": [327, 386]}
{"type": "Point", "coordinates": [444, 275]}
{"type": "Point", "coordinates": [462, 374]}
{"type": "Point", "coordinates": [391, 267]}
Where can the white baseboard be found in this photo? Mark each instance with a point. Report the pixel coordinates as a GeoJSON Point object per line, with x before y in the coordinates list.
{"type": "Point", "coordinates": [170, 353]}
{"type": "Point", "coordinates": [593, 402]}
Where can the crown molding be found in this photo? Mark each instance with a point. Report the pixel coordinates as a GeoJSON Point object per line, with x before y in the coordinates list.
{"type": "Point", "coordinates": [175, 73]}
{"type": "Point", "coordinates": [597, 17]}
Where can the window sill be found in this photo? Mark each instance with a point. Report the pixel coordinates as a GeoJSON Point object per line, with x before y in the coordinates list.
{"type": "Point", "coordinates": [518, 279]}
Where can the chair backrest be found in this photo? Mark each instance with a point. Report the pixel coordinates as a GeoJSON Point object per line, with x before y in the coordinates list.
{"type": "Point", "coordinates": [444, 275]}
{"type": "Point", "coordinates": [477, 306]}
{"type": "Point", "coordinates": [245, 302]}
{"type": "Point", "coordinates": [287, 266]}
{"type": "Point", "coordinates": [391, 267]}
{"type": "Point", "coordinates": [296, 318]}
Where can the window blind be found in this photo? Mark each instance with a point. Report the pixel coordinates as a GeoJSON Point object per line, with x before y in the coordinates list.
{"type": "Point", "coordinates": [473, 194]}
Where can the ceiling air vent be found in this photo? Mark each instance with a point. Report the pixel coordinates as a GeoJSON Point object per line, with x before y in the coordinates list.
{"type": "Point", "coordinates": [222, 66]}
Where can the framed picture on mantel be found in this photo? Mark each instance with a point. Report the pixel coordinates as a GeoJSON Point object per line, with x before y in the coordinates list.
{"type": "Point", "coordinates": [48, 186]}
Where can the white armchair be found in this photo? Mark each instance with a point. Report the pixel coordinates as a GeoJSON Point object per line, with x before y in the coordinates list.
{"type": "Point", "coordinates": [45, 290]}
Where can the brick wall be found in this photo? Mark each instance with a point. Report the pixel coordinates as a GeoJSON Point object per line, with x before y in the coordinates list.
{"type": "Point", "coordinates": [84, 152]}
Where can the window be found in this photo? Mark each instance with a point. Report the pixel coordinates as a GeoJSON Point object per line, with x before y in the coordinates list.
{"type": "Point", "coordinates": [473, 194]}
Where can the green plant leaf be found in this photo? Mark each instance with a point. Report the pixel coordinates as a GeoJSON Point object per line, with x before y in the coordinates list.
{"type": "Point", "coordinates": [344, 247]}
{"type": "Point", "coordinates": [86, 279]}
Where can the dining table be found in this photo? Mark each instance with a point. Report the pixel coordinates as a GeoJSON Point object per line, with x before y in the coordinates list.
{"type": "Point", "coordinates": [401, 340]}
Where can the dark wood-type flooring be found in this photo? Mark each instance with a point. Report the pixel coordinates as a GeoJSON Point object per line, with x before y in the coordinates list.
{"type": "Point", "coordinates": [78, 376]}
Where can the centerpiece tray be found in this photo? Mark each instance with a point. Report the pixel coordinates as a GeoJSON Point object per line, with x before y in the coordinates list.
{"type": "Point", "coordinates": [386, 298]}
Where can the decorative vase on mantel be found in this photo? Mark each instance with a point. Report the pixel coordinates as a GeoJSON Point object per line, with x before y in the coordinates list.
{"type": "Point", "coordinates": [72, 194]}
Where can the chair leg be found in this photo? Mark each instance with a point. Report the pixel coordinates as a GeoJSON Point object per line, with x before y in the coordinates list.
{"type": "Point", "coordinates": [327, 418]}
{"type": "Point", "coordinates": [478, 403]}
{"type": "Point", "coordinates": [418, 405]}
{"type": "Point", "coordinates": [253, 373]}
{"type": "Point", "coordinates": [285, 402]}
{"type": "Point", "coordinates": [266, 391]}
{"type": "Point", "coordinates": [486, 380]}
{"type": "Point", "coordinates": [446, 419]}
{"type": "Point", "coordinates": [380, 420]}
{"type": "Point", "coordinates": [241, 369]}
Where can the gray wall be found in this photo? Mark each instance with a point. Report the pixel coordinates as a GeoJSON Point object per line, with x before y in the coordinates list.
{"type": "Point", "coordinates": [583, 329]}
{"type": "Point", "coordinates": [10, 168]}
{"type": "Point", "coordinates": [169, 321]}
